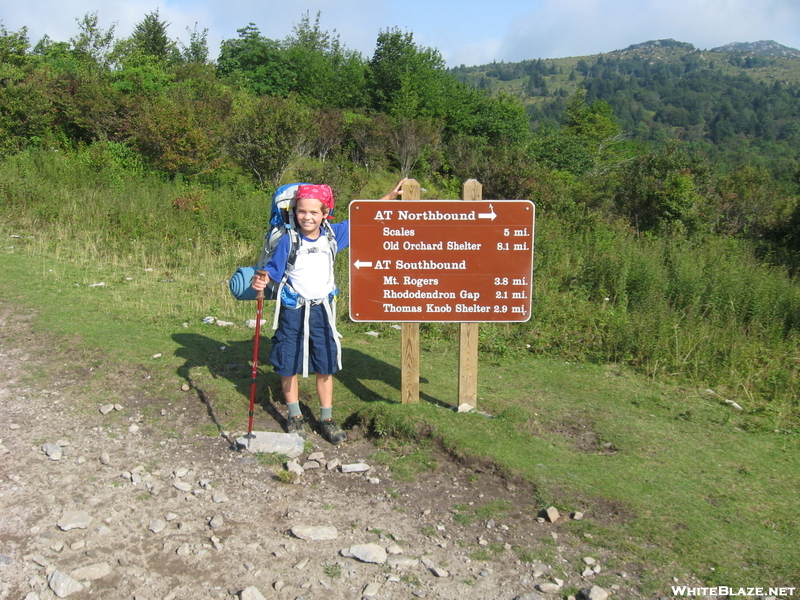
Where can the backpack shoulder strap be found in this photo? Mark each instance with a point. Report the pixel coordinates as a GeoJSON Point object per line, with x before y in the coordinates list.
{"type": "Point", "coordinates": [294, 246]}
{"type": "Point", "coordinates": [334, 246]}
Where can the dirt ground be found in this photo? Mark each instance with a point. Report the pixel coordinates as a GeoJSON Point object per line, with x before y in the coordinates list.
{"type": "Point", "coordinates": [229, 525]}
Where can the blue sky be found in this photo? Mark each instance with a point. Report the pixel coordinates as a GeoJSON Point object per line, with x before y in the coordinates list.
{"type": "Point", "coordinates": [469, 32]}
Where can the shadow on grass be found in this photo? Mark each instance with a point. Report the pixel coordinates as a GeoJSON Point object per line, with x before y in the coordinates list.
{"type": "Point", "coordinates": [233, 363]}
{"type": "Point", "coordinates": [229, 361]}
{"type": "Point", "coordinates": [360, 367]}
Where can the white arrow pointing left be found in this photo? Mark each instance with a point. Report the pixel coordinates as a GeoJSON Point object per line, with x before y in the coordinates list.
{"type": "Point", "coordinates": [361, 263]}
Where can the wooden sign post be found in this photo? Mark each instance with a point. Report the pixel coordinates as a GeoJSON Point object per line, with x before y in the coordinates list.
{"type": "Point", "coordinates": [417, 261]}
{"type": "Point", "coordinates": [409, 335]}
{"type": "Point", "coordinates": [468, 338]}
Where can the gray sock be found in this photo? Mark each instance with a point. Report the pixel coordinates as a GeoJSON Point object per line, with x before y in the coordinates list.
{"type": "Point", "coordinates": [325, 413]}
{"type": "Point", "coordinates": [294, 409]}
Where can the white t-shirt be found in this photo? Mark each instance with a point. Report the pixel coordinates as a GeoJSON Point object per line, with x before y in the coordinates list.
{"type": "Point", "coordinates": [312, 276]}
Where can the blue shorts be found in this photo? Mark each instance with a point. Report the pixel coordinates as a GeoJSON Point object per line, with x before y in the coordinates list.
{"type": "Point", "coordinates": [287, 343]}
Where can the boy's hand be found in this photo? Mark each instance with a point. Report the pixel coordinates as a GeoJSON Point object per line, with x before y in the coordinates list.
{"type": "Point", "coordinates": [396, 191]}
{"type": "Point", "coordinates": [259, 281]}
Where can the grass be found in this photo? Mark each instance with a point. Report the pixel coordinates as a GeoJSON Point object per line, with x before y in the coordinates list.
{"type": "Point", "coordinates": [267, 459]}
{"type": "Point", "coordinates": [429, 531]}
{"type": "Point", "coordinates": [487, 553]}
{"type": "Point", "coordinates": [286, 477]}
{"type": "Point", "coordinates": [495, 509]}
{"type": "Point", "coordinates": [698, 492]}
{"type": "Point", "coordinates": [409, 579]}
{"type": "Point", "coordinates": [407, 467]}
{"type": "Point", "coordinates": [464, 514]}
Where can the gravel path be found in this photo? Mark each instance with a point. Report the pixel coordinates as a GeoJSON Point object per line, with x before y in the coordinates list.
{"type": "Point", "coordinates": [133, 511]}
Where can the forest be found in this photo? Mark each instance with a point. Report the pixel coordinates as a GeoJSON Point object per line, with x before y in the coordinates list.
{"type": "Point", "coordinates": [666, 179]}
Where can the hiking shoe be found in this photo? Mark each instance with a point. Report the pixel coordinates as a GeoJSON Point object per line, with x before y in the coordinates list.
{"type": "Point", "coordinates": [332, 432]}
{"type": "Point", "coordinates": [297, 425]}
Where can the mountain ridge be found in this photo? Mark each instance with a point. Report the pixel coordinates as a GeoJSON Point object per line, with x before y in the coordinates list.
{"type": "Point", "coordinates": [766, 48]}
{"type": "Point", "coordinates": [760, 49]}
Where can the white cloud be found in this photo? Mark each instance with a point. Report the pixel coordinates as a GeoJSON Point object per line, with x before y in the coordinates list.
{"type": "Point", "coordinates": [476, 53]}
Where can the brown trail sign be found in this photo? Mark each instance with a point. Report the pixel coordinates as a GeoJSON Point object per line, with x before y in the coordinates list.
{"type": "Point", "coordinates": [441, 261]}
{"type": "Point", "coordinates": [437, 261]}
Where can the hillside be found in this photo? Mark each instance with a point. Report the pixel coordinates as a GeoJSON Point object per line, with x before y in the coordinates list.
{"type": "Point", "coordinates": [725, 101]}
{"type": "Point", "coordinates": [767, 48]}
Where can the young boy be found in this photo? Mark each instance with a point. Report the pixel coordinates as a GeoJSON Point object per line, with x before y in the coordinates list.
{"type": "Point", "coordinates": [306, 329]}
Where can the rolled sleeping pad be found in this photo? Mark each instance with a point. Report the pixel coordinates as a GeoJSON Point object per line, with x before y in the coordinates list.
{"type": "Point", "coordinates": [240, 283]}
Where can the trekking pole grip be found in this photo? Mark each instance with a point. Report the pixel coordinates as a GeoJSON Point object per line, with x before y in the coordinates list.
{"type": "Point", "coordinates": [260, 293]}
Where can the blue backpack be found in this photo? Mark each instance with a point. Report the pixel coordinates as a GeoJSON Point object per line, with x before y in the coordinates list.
{"type": "Point", "coordinates": [281, 223]}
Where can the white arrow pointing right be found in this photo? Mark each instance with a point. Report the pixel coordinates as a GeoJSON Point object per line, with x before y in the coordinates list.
{"type": "Point", "coordinates": [490, 215]}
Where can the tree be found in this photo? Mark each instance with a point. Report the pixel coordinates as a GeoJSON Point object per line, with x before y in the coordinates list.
{"type": "Point", "coordinates": [93, 43]}
{"type": "Point", "coordinates": [267, 134]}
{"type": "Point", "coordinates": [14, 46]}
{"type": "Point", "coordinates": [368, 134]}
{"type": "Point", "coordinates": [256, 62]}
{"type": "Point", "coordinates": [750, 203]}
{"type": "Point", "coordinates": [405, 80]}
{"type": "Point", "coordinates": [411, 139]}
{"type": "Point", "coordinates": [593, 121]}
{"type": "Point", "coordinates": [557, 149]}
{"type": "Point", "coordinates": [536, 85]}
{"type": "Point", "coordinates": [665, 191]}
{"type": "Point", "coordinates": [26, 109]}
{"type": "Point", "coordinates": [142, 75]}
{"type": "Point", "coordinates": [150, 38]}
{"type": "Point", "coordinates": [197, 50]}
{"type": "Point", "coordinates": [58, 94]}
{"type": "Point", "coordinates": [326, 73]}
{"type": "Point", "coordinates": [329, 125]}
{"type": "Point", "coordinates": [465, 156]}
{"type": "Point", "coordinates": [506, 172]}
{"type": "Point", "coordinates": [589, 140]}
{"type": "Point", "coordinates": [86, 107]}
{"type": "Point", "coordinates": [177, 132]}
{"type": "Point", "coordinates": [52, 52]}
{"type": "Point", "coordinates": [502, 120]}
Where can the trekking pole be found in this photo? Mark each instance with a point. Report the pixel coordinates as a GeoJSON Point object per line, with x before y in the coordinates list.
{"type": "Point", "coordinates": [254, 372]}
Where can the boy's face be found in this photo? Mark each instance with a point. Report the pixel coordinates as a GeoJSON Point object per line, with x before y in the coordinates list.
{"type": "Point", "coordinates": [309, 213]}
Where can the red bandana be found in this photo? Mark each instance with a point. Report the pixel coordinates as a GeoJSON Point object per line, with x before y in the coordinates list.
{"type": "Point", "coordinates": [323, 193]}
